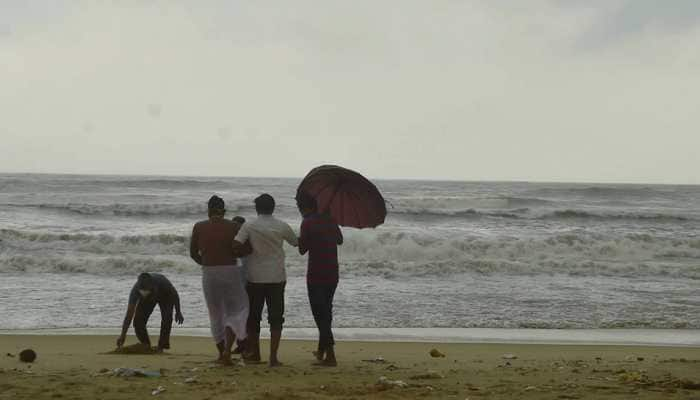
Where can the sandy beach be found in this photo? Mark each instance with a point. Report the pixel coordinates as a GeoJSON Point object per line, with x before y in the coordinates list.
{"type": "Point", "coordinates": [78, 367]}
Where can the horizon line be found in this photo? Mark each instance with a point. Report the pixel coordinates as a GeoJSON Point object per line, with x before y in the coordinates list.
{"type": "Point", "coordinates": [583, 182]}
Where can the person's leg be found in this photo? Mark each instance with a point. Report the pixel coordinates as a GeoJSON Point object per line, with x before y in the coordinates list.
{"type": "Point", "coordinates": [313, 293]}
{"type": "Point", "coordinates": [275, 317]}
{"type": "Point", "coordinates": [228, 343]}
{"type": "Point", "coordinates": [329, 342]}
{"type": "Point", "coordinates": [256, 299]}
{"type": "Point", "coordinates": [143, 311]}
{"type": "Point", "coordinates": [239, 347]}
{"type": "Point", "coordinates": [321, 298]}
{"type": "Point", "coordinates": [166, 324]}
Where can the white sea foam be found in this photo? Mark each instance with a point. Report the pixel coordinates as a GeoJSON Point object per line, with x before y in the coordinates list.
{"type": "Point", "coordinates": [370, 253]}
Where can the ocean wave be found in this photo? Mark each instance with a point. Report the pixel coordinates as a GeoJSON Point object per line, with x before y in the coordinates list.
{"type": "Point", "coordinates": [111, 182]}
{"type": "Point", "coordinates": [113, 265]}
{"type": "Point", "coordinates": [145, 209]}
{"type": "Point", "coordinates": [573, 254]}
{"type": "Point", "coordinates": [375, 253]}
{"type": "Point", "coordinates": [544, 214]}
{"type": "Point", "coordinates": [527, 202]}
{"type": "Point", "coordinates": [467, 213]}
{"type": "Point", "coordinates": [605, 192]}
{"type": "Point", "coordinates": [581, 214]}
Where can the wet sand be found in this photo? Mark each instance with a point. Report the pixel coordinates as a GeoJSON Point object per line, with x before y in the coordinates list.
{"type": "Point", "coordinates": [78, 367]}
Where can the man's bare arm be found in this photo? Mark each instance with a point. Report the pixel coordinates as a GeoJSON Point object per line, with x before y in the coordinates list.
{"type": "Point", "coordinates": [130, 311]}
{"type": "Point", "coordinates": [194, 249]}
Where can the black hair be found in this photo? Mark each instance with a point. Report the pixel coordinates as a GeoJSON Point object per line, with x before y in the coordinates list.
{"type": "Point", "coordinates": [145, 281]}
{"type": "Point", "coordinates": [238, 219]}
{"type": "Point", "coordinates": [265, 204]}
{"type": "Point", "coordinates": [216, 203]}
{"type": "Point", "coordinates": [306, 201]}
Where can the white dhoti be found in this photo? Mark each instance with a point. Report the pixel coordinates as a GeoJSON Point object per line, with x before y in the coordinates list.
{"type": "Point", "coordinates": [227, 300]}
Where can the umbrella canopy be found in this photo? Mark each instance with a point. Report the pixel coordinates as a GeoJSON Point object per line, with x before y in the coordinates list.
{"type": "Point", "coordinates": [350, 198]}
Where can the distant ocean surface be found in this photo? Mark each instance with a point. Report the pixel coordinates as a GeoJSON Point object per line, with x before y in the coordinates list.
{"type": "Point", "coordinates": [451, 255]}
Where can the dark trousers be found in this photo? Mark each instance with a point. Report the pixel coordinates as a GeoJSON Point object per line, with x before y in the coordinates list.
{"type": "Point", "coordinates": [321, 300]}
{"type": "Point", "coordinates": [260, 294]}
{"type": "Point", "coordinates": [143, 312]}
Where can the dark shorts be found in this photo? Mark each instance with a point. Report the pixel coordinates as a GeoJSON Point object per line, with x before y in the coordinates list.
{"type": "Point", "coordinates": [271, 294]}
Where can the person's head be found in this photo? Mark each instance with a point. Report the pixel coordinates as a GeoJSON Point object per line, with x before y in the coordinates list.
{"type": "Point", "coordinates": [306, 203]}
{"type": "Point", "coordinates": [216, 206]}
{"type": "Point", "coordinates": [144, 284]}
{"type": "Point", "coordinates": [238, 221]}
{"type": "Point", "coordinates": [264, 204]}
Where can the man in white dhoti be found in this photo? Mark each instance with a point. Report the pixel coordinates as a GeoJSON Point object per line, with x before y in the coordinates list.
{"type": "Point", "coordinates": [227, 300]}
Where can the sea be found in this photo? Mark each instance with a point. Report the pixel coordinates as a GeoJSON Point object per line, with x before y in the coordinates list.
{"type": "Point", "coordinates": [451, 255]}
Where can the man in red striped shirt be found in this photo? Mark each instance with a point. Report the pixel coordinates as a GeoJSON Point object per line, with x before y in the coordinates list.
{"type": "Point", "coordinates": [320, 237]}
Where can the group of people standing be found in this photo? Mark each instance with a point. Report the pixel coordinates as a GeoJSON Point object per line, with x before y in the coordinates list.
{"type": "Point", "coordinates": [243, 270]}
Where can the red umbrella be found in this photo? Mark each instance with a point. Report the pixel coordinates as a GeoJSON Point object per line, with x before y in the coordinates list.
{"type": "Point", "coordinates": [351, 199]}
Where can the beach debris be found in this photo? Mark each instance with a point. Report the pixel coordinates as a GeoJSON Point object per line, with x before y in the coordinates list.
{"type": "Point", "coordinates": [435, 353]}
{"type": "Point", "coordinates": [392, 367]}
{"type": "Point", "coordinates": [640, 378]}
{"type": "Point", "coordinates": [10, 355]}
{"type": "Point", "coordinates": [633, 377]}
{"type": "Point", "coordinates": [688, 384]}
{"type": "Point", "coordinates": [27, 356]}
{"type": "Point", "coordinates": [509, 356]}
{"type": "Point", "coordinates": [157, 391]}
{"type": "Point", "coordinates": [427, 375]}
{"type": "Point", "coordinates": [138, 348]}
{"type": "Point", "coordinates": [192, 379]}
{"type": "Point", "coordinates": [376, 360]}
{"type": "Point", "coordinates": [386, 383]}
{"type": "Point", "coordinates": [135, 372]}
{"type": "Point", "coordinates": [102, 372]}
{"type": "Point", "coordinates": [530, 388]}
{"type": "Point", "coordinates": [506, 364]}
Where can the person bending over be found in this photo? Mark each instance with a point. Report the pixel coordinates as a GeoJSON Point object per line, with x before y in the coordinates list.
{"type": "Point", "coordinates": [151, 289]}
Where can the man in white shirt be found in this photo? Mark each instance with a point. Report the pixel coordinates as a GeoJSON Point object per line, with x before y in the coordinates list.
{"type": "Point", "coordinates": [266, 274]}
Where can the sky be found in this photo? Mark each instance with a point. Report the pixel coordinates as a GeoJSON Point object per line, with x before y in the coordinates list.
{"type": "Point", "coordinates": [537, 90]}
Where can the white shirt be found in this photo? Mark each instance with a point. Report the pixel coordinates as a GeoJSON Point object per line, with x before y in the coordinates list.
{"type": "Point", "coordinates": [266, 234]}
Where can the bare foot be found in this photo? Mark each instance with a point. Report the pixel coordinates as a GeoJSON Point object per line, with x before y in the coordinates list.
{"type": "Point", "coordinates": [326, 363]}
{"type": "Point", "coordinates": [251, 358]}
{"type": "Point", "coordinates": [226, 358]}
{"type": "Point", "coordinates": [318, 354]}
{"type": "Point", "coordinates": [275, 363]}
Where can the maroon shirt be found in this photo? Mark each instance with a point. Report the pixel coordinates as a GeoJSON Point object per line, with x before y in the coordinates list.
{"type": "Point", "coordinates": [212, 242]}
{"type": "Point", "coordinates": [320, 236]}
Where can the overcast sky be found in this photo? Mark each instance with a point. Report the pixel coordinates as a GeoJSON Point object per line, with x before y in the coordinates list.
{"type": "Point", "coordinates": [546, 90]}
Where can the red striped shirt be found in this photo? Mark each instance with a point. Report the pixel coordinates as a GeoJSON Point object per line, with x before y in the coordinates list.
{"type": "Point", "coordinates": [320, 236]}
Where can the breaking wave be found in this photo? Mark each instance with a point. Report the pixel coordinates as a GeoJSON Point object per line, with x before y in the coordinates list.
{"type": "Point", "coordinates": [564, 214]}
{"type": "Point", "coordinates": [144, 209]}
{"type": "Point", "coordinates": [374, 253]}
